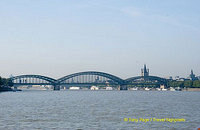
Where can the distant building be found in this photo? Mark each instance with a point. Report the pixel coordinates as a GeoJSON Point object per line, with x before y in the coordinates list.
{"type": "Point", "coordinates": [144, 71]}
{"type": "Point", "coordinates": [181, 79]}
{"type": "Point", "coordinates": [192, 76]}
{"type": "Point", "coordinates": [169, 77]}
{"type": "Point", "coordinates": [176, 78]}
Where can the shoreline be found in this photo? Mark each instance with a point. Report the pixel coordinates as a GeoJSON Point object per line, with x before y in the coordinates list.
{"type": "Point", "coordinates": [192, 89]}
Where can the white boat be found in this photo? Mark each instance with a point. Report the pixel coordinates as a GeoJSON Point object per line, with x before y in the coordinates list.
{"type": "Point", "coordinates": [134, 89]}
{"type": "Point", "coordinates": [94, 88]}
{"type": "Point", "coordinates": [146, 89]}
{"type": "Point", "coordinates": [74, 88]}
{"type": "Point", "coordinates": [164, 89]}
{"type": "Point", "coordinates": [171, 89]}
{"type": "Point", "coordinates": [109, 88]}
{"type": "Point", "coordinates": [158, 89]}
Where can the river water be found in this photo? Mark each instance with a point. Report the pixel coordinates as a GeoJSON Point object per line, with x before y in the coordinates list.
{"type": "Point", "coordinates": [98, 110]}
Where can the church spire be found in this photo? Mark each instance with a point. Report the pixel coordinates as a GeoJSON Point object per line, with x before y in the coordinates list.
{"type": "Point", "coordinates": [145, 68]}
{"type": "Point", "coordinates": [192, 75]}
{"type": "Point", "coordinates": [192, 72]}
{"type": "Point", "coordinates": [145, 71]}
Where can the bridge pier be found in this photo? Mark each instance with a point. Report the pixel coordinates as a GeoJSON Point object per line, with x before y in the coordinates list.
{"type": "Point", "coordinates": [56, 87]}
{"type": "Point", "coordinates": [122, 87]}
{"type": "Point", "coordinates": [15, 88]}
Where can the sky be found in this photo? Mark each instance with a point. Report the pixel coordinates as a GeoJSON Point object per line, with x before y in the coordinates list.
{"type": "Point", "coordinates": [60, 37]}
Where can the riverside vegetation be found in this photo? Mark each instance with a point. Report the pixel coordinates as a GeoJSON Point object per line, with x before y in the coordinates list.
{"type": "Point", "coordinates": [184, 84]}
{"type": "Point", "coordinates": [5, 84]}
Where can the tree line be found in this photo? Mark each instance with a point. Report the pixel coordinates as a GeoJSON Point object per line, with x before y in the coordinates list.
{"type": "Point", "coordinates": [182, 84]}
{"type": "Point", "coordinates": [4, 82]}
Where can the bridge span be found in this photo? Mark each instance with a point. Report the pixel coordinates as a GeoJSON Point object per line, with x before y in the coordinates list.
{"type": "Point", "coordinates": [88, 78]}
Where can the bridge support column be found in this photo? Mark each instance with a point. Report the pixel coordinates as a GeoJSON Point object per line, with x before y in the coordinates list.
{"type": "Point", "coordinates": [56, 87]}
{"type": "Point", "coordinates": [122, 87]}
{"type": "Point", "coordinates": [15, 88]}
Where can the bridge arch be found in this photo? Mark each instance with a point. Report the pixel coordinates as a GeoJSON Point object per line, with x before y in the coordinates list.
{"type": "Point", "coordinates": [87, 74]}
{"type": "Point", "coordinates": [32, 80]}
{"type": "Point", "coordinates": [146, 78]}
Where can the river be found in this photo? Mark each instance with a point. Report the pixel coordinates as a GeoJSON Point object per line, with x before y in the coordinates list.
{"type": "Point", "coordinates": [99, 110]}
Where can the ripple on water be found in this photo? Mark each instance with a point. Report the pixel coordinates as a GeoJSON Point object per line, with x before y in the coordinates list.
{"type": "Point", "coordinates": [97, 109]}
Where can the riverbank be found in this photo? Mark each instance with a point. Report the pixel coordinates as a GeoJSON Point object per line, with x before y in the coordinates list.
{"type": "Point", "coordinates": [191, 89]}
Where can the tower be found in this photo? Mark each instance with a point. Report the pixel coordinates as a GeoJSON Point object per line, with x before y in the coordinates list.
{"type": "Point", "coordinates": [145, 71]}
{"type": "Point", "coordinates": [192, 76]}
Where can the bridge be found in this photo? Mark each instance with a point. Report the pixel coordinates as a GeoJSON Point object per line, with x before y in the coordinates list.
{"type": "Point", "coordinates": [146, 81]}
{"type": "Point", "coordinates": [88, 78]}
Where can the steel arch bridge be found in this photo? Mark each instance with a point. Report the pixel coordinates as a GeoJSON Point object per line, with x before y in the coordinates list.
{"type": "Point", "coordinates": [146, 80]}
{"type": "Point", "coordinates": [89, 78]}
{"type": "Point", "coordinates": [33, 80]}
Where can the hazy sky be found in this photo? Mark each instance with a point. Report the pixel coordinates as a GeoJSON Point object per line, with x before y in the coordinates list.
{"type": "Point", "coordinates": [59, 37]}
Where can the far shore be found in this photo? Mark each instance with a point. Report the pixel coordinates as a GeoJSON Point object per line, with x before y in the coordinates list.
{"type": "Point", "coordinates": [191, 89]}
{"type": "Point", "coordinates": [141, 89]}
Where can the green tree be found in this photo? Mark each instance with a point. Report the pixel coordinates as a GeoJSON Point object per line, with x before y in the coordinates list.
{"type": "Point", "coordinates": [196, 83]}
{"type": "Point", "coordinates": [5, 82]}
{"type": "Point", "coordinates": [176, 84]}
{"type": "Point", "coordinates": [9, 82]}
{"type": "Point", "coordinates": [188, 83]}
{"type": "Point", "coordinates": [1, 82]}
